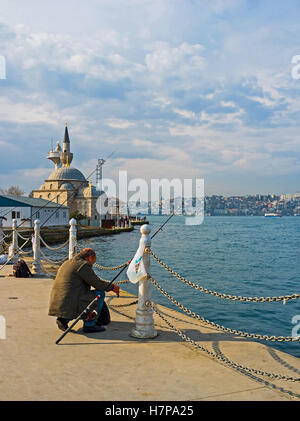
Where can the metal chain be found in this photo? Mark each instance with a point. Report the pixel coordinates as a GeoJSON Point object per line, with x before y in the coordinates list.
{"type": "Point", "coordinates": [116, 283]}
{"type": "Point", "coordinates": [224, 329]}
{"type": "Point", "coordinates": [23, 238]}
{"type": "Point", "coordinates": [54, 248]}
{"type": "Point", "coordinates": [216, 356]}
{"type": "Point", "coordinates": [217, 294]}
{"type": "Point", "coordinates": [121, 282]}
{"type": "Point", "coordinates": [8, 235]}
{"type": "Point", "coordinates": [103, 267]}
{"type": "Point", "coordinates": [124, 305]}
{"type": "Point", "coordinates": [23, 245]}
{"type": "Point", "coordinates": [53, 261]}
{"type": "Point", "coordinates": [16, 253]}
{"type": "Point", "coordinates": [25, 252]}
{"type": "Point", "coordinates": [111, 267]}
{"type": "Point", "coordinates": [76, 242]}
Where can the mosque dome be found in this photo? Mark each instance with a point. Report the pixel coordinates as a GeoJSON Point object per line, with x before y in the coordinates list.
{"type": "Point", "coordinates": [67, 186]}
{"type": "Point", "coordinates": [90, 191]}
{"type": "Point", "coordinates": [66, 174]}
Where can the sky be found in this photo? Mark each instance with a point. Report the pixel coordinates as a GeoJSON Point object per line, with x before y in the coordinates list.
{"type": "Point", "coordinates": [177, 88]}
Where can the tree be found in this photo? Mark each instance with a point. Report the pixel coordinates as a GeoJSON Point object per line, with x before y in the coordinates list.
{"type": "Point", "coordinates": [13, 191]}
{"type": "Point", "coordinates": [77, 215]}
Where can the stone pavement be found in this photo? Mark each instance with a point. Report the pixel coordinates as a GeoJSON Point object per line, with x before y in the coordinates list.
{"type": "Point", "coordinates": [113, 366]}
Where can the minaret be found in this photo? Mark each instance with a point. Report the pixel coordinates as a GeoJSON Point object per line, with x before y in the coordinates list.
{"type": "Point", "coordinates": [66, 156]}
{"type": "Point", "coordinates": [54, 156]}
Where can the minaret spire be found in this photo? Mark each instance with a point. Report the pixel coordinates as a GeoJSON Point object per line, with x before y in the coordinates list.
{"type": "Point", "coordinates": [66, 156]}
{"type": "Point", "coordinates": [66, 137]}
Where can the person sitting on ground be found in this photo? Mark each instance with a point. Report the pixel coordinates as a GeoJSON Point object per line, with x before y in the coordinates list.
{"type": "Point", "coordinates": [71, 292]}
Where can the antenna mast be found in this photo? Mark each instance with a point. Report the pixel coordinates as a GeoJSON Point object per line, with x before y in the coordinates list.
{"type": "Point", "coordinates": [99, 166]}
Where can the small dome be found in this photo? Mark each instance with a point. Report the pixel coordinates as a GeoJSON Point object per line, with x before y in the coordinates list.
{"type": "Point", "coordinates": [90, 192]}
{"type": "Point", "coordinates": [66, 173]}
{"type": "Point", "coordinates": [67, 186]}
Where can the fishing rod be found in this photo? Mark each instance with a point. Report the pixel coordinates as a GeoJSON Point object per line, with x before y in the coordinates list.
{"type": "Point", "coordinates": [85, 311]}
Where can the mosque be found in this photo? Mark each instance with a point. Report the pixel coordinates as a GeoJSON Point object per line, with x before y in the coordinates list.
{"type": "Point", "coordinates": [67, 185]}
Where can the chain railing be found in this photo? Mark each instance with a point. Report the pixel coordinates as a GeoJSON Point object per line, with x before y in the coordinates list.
{"type": "Point", "coordinates": [7, 235]}
{"type": "Point", "coordinates": [54, 248]}
{"type": "Point", "coordinates": [221, 358]}
{"type": "Point", "coordinates": [52, 261]}
{"type": "Point", "coordinates": [110, 267]}
{"type": "Point", "coordinates": [283, 298]}
{"type": "Point", "coordinates": [223, 328]}
{"type": "Point", "coordinates": [21, 236]}
{"type": "Point", "coordinates": [20, 250]}
{"type": "Point", "coordinates": [100, 266]}
{"type": "Point", "coordinates": [124, 305]}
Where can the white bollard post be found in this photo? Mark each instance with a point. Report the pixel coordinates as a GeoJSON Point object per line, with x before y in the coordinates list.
{"type": "Point", "coordinates": [144, 323]}
{"type": "Point", "coordinates": [13, 254]}
{"type": "Point", "coordinates": [36, 264]}
{"type": "Point", "coordinates": [1, 236]}
{"type": "Point", "coordinates": [73, 236]}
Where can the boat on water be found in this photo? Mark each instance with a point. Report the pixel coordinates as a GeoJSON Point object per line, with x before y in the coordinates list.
{"type": "Point", "coordinates": [272, 215]}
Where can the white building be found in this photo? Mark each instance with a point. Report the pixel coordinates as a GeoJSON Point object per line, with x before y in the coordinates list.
{"type": "Point", "coordinates": [26, 210]}
{"type": "Point", "coordinates": [290, 196]}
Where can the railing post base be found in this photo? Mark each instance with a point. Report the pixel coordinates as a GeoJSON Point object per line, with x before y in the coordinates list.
{"type": "Point", "coordinates": [36, 264]}
{"type": "Point", "coordinates": [1, 237]}
{"type": "Point", "coordinates": [143, 327]}
{"type": "Point", "coordinates": [144, 323]}
{"type": "Point", "coordinates": [13, 255]}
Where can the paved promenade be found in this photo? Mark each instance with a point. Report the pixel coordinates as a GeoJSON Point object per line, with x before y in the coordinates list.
{"type": "Point", "coordinates": [114, 366]}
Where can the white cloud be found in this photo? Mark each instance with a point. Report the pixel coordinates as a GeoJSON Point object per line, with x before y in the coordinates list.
{"type": "Point", "coordinates": [184, 61]}
{"type": "Point", "coordinates": [119, 124]}
{"type": "Point", "coordinates": [142, 143]}
{"type": "Point", "coordinates": [185, 113]}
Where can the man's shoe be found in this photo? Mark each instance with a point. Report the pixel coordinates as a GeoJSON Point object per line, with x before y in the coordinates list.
{"type": "Point", "coordinates": [92, 329]}
{"type": "Point", "coordinates": [62, 323]}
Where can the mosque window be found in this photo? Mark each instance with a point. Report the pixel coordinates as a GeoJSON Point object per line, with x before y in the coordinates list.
{"type": "Point", "coordinates": [49, 195]}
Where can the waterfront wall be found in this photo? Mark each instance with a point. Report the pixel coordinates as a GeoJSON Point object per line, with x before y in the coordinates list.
{"type": "Point", "coordinates": [61, 234]}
